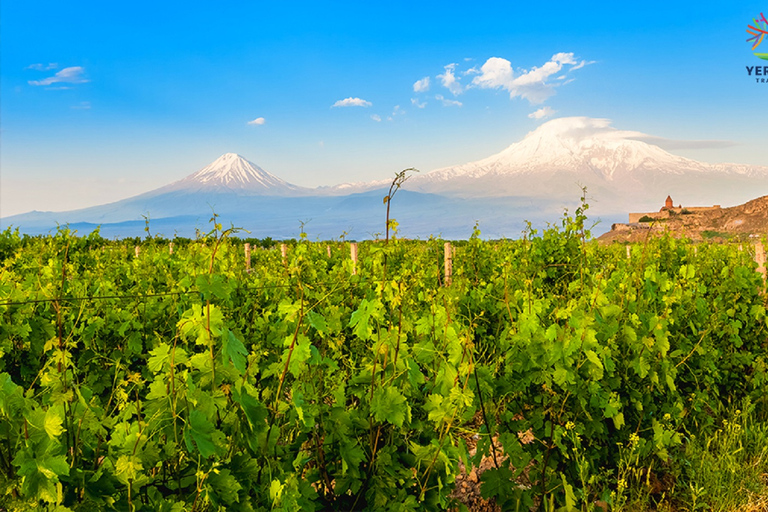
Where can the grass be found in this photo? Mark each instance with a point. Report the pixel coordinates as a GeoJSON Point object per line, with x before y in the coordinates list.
{"type": "Point", "coordinates": [728, 468]}
{"type": "Point", "coordinates": [724, 469]}
{"type": "Point", "coordinates": [708, 234]}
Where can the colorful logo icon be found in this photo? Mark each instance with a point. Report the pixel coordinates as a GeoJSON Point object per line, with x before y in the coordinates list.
{"type": "Point", "coordinates": [758, 30]}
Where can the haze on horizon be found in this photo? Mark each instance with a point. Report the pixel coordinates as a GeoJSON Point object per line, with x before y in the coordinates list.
{"type": "Point", "coordinates": [99, 104]}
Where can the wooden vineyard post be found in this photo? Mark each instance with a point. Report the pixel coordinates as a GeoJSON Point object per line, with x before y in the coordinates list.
{"type": "Point", "coordinates": [170, 248]}
{"type": "Point", "coordinates": [353, 255]}
{"type": "Point", "coordinates": [448, 263]}
{"type": "Point", "coordinates": [247, 257]}
{"type": "Point", "coordinates": [629, 252]}
{"type": "Point", "coordinates": [284, 252]}
{"type": "Point", "coordinates": [760, 259]}
{"type": "Point", "coordinates": [328, 248]}
{"type": "Point", "coordinates": [137, 251]}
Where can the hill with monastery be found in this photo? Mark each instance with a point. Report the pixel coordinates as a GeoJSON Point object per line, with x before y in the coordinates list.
{"type": "Point", "coordinates": [699, 223]}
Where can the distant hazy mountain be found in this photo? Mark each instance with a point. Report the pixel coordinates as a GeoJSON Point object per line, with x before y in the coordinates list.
{"type": "Point", "coordinates": [620, 172]}
{"type": "Point", "coordinates": [530, 180]}
{"type": "Point", "coordinates": [245, 196]}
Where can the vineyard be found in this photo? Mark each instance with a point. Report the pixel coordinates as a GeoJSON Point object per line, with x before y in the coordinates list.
{"type": "Point", "coordinates": [187, 377]}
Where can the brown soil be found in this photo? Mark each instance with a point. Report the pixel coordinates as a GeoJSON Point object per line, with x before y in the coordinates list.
{"type": "Point", "coordinates": [467, 489]}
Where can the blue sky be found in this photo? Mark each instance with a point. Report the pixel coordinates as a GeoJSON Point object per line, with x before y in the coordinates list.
{"type": "Point", "coordinates": [100, 100]}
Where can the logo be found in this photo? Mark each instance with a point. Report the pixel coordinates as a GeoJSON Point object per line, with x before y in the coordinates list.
{"type": "Point", "coordinates": [758, 30]}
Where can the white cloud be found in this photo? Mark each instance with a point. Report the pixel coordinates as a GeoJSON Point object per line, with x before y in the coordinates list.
{"type": "Point", "coordinates": [449, 81]}
{"type": "Point", "coordinates": [532, 84]}
{"type": "Point", "coordinates": [542, 113]}
{"type": "Point", "coordinates": [415, 103]}
{"type": "Point", "coordinates": [564, 58]}
{"type": "Point", "coordinates": [582, 64]}
{"type": "Point", "coordinates": [676, 144]}
{"type": "Point", "coordinates": [258, 121]}
{"type": "Point", "coordinates": [43, 67]}
{"type": "Point", "coordinates": [70, 75]}
{"type": "Point", "coordinates": [352, 102]}
{"type": "Point", "coordinates": [376, 118]}
{"type": "Point", "coordinates": [396, 111]}
{"type": "Point", "coordinates": [84, 105]}
{"type": "Point", "coordinates": [585, 127]}
{"type": "Point", "coordinates": [421, 85]}
{"type": "Point", "coordinates": [496, 72]}
{"type": "Point", "coordinates": [447, 102]}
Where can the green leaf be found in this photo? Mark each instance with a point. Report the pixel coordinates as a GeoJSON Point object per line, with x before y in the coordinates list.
{"type": "Point", "coordinates": [128, 468]}
{"type": "Point", "coordinates": [158, 357]}
{"type": "Point", "coordinates": [390, 405]}
{"type": "Point", "coordinates": [158, 388]}
{"type": "Point", "coordinates": [563, 375]}
{"type": "Point", "coordinates": [317, 321]}
{"type": "Point", "coordinates": [618, 420]}
{"type": "Point", "coordinates": [11, 396]}
{"type": "Point", "coordinates": [597, 372]}
{"type": "Point", "coordinates": [435, 407]}
{"type": "Point", "coordinates": [570, 497]}
{"type": "Point", "coordinates": [276, 490]}
{"type": "Point", "coordinates": [351, 456]}
{"type": "Point", "coordinates": [199, 431]}
{"type": "Point", "coordinates": [671, 382]}
{"type": "Point", "coordinates": [53, 467]}
{"type": "Point", "coordinates": [212, 286]}
{"type": "Point", "coordinates": [551, 333]}
{"type": "Point", "coordinates": [301, 353]}
{"type": "Point", "coordinates": [52, 423]}
{"type": "Point", "coordinates": [361, 319]}
{"type": "Point", "coordinates": [255, 411]}
{"type": "Point", "coordinates": [235, 351]}
{"type": "Point", "coordinates": [594, 358]}
{"type": "Point", "coordinates": [641, 366]}
{"type": "Point", "coordinates": [496, 483]}
{"type": "Point", "coordinates": [225, 486]}
{"type": "Point", "coordinates": [40, 475]}
{"type": "Point", "coordinates": [196, 322]}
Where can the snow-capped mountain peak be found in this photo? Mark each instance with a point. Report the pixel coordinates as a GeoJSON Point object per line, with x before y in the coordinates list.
{"type": "Point", "coordinates": [562, 155]}
{"type": "Point", "coordinates": [233, 173]}
{"type": "Point", "coordinates": [574, 144]}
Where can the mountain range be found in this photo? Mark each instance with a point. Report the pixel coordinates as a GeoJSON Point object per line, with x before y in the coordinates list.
{"type": "Point", "coordinates": [531, 180]}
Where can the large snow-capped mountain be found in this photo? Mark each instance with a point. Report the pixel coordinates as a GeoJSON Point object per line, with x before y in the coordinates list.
{"type": "Point", "coordinates": [617, 167]}
{"type": "Point", "coordinates": [233, 173]}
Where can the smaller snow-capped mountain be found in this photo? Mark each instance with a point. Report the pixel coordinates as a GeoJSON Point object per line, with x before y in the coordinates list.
{"type": "Point", "coordinates": [233, 173]}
